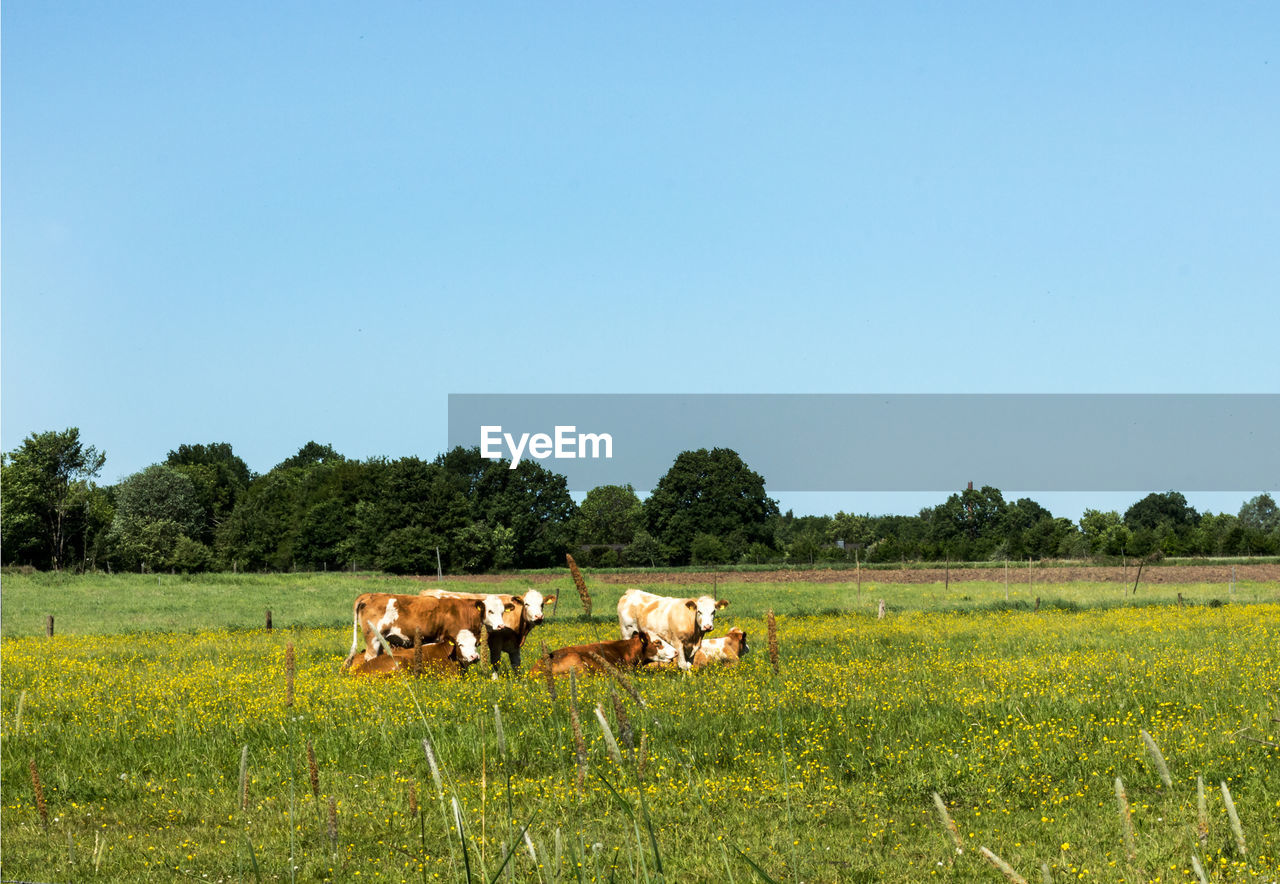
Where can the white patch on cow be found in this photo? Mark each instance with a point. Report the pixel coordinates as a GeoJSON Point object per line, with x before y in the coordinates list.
{"type": "Point", "coordinates": [493, 612]}
{"type": "Point", "coordinates": [706, 613]}
{"type": "Point", "coordinates": [467, 652]}
{"type": "Point", "coordinates": [532, 606]}
{"type": "Point", "coordinates": [661, 650]}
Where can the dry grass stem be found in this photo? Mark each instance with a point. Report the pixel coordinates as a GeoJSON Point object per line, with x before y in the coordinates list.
{"type": "Point", "coordinates": [413, 799]}
{"type": "Point", "coordinates": [948, 823]}
{"type": "Point", "coordinates": [625, 731]}
{"type": "Point", "coordinates": [575, 723]}
{"type": "Point", "coordinates": [1126, 821]}
{"type": "Point", "coordinates": [333, 825]}
{"type": "Point", "coordinates": [546, 671]}
{"type": "Point", "coordinates": [502, 736]}
{"type": "Point", "coordinates": [1158, 756]}
{"type": "Point", "coordinates": [1005, 869]}
{"type": "Point", "coordinates": [1199, 869]}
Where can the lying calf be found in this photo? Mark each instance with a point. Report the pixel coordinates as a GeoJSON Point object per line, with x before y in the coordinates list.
{"type": "Point", "coordinates": [627, 653]}
{"type": "Point", "coordinates": [727, 650]}
{"type": "Point", "coordinates": [445, 656]}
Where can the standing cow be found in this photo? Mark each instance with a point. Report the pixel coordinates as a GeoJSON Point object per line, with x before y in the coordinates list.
{"type": "Point", "coordinates": [680, 621]}
{"type": "Point", "coordinates": [399, 619]}
{"type": "Point", "coordinates": [517, 622]}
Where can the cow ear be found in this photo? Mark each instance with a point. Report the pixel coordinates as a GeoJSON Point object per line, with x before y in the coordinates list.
{"type": "Point", "coordinates": [480, 605]}
{"type": "Point", "coordinates": [691, 604]}
{"type": "Point", "coordinates": [723, 603]}
{"type": "Point", "coordinates": [518, 599]}
{"type": "Point", "coordinates": [549, 599]}
{"type": "Point", "coordinates": [508, 607]}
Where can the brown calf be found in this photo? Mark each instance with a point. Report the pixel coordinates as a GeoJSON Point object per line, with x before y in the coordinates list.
{"type": "Point", "coordinates": [627, 653]}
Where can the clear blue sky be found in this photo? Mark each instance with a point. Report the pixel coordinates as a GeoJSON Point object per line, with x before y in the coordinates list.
{"type": "Point", "coordinates": [270, 223]}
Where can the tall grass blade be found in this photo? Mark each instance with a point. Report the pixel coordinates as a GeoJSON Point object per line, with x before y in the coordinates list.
{"type": "Point", "coordinates": [1158, 757]}
{"type": "Point", "coordinates": [511, 852]}
{"type": "Point", "coordinates": [1005, 869]}
{"type": "Point", "coordinates": [728, 870]}
{"type": "Point", "coordinates": [253, 860]}
{"type": "Point", "coordinates": [462, 837]}
{"type": "Point", "coordinates": [759, 871]}
{"type": "Point", "coordinates": [1236, 828]}
{"type": "Point", "coordinates": [243, 781]}
{"type": "Point", "coordinates": [1202, 814]}
{"type": "Point", "coordinates": [17, 715]}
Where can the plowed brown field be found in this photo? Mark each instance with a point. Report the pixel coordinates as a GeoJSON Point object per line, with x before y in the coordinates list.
{"type": "Point", "coordinates": [1018, 574]}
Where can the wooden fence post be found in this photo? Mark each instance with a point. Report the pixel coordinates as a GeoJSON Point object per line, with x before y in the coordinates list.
{"type": "Point", "coordinates": [268, 619]}
{"type": "Point", "coordinates": [48, 626]}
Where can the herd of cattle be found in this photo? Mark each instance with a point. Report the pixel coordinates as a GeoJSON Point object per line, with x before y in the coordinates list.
{"type": "Point", "coordinates": [440, 630]}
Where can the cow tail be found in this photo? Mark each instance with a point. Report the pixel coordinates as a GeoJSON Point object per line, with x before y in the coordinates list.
{"type": "Point", "coordinates": [355, 632]}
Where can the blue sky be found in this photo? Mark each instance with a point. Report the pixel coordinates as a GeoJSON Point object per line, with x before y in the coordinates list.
{"type": "Point", "coordinates": [269, 223]}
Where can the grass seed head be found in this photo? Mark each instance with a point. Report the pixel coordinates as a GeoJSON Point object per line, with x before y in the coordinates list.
{"type": "Point", "coordinates": [1005, 869]}
{"type": "Point", "coordinates": [620, 715]}
{"type": "Point", "coordinates": [580, 584]}
{"type": "Point", "coordinates": [1234, 818]}
{"type": "Point", "coordinates": [948, 823]}
{"type": "Point", "coordinates": [546, 670]}
{"type": "Point", "coordinates": [289, 669]}
{"type": "Point", "coordinates": [313, 770]}
{"type": "Point", "coordinates": [1158, 757]}
{"type": "Point", "coordinates": [38, 789]}
{"type": "Point", "coordinates": [1126, 821]}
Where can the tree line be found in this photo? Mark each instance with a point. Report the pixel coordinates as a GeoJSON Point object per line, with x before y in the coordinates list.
{"type": "Point", "coordinates": [203, 509]}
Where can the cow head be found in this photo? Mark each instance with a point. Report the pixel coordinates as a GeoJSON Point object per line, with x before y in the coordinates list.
{"type": "Point", "coordinates": [704, 611]}
{"type": "Point", "coordinates": [491, 608]}
{"type": "Point", "coordinates": [533, 602]}
{"type": "Point", "coordinates": [465, 647]}
{"type": "Point", "coordinates": [737, 634]}
{"type": "Point", "coordinates": [655, 649]}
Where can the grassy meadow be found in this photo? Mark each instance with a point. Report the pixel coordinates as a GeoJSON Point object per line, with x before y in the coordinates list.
{"type": "Point", "coordinates": [172, 739]}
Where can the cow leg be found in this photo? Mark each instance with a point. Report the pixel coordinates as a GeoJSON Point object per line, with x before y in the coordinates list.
{"type": "Point", "coordinates": [495, 658]}
{"type": "Point", "coordinates": [514, 656]}
{"type": "Point", "coordinates": [684, 657]}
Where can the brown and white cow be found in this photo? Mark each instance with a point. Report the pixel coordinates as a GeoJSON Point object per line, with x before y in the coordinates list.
{"type": "Point", "coordinates": [680, 621]}
{"type": "Point", "coordinates": [727, 649]}
{"type": "Point", "coordinates": [447, 656]}
{"type": "Point", "coordinates": [397, 620]}
{"type": "Point", "coordinates": [627, 653]}
{"type": "Point", "coordinates": [517, 622]}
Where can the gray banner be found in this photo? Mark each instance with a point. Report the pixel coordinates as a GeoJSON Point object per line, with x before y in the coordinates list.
{"type": "Point", "coordinates": [837, 442]}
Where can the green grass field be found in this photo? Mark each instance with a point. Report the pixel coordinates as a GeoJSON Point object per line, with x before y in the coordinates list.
{"type": "Point", "coordinates": [137, 715]}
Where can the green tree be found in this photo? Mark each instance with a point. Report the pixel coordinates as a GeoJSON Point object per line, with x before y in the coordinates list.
{"type": "Point", "coordinates": [1154, 509]}
{"type": "Point", "coordinates": [707, 549]}
{"type": "Point", "coordinates": [708, 492]}
{"type": "Point", "coordinates": [608, 514]}
{"type": "Point", "coordinates": [156, 509]}
{"type": "Point", "coordinates": [220, 477]}
{"type": "Point", "coordinates": [48, 498]}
